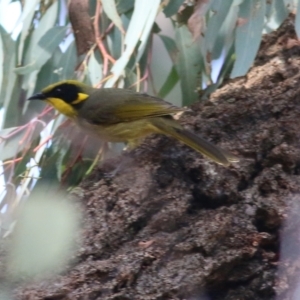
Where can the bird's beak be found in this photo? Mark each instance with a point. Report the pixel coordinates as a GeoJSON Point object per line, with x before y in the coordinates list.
{"type": "Point", "coordinates": [37, 97]}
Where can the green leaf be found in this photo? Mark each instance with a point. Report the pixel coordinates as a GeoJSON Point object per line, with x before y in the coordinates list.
{"type": "Point", "coordinates": [11, 88]}
{"type": "Point", "coordinates": [78, 172]}
{"type": "Point", "coordinates": [21, 166]}
{"type": "Point", "coordinates": [169, 84]}
{"type": "Point", "coordinates": [52, 38]}
{"type": "Point", "coordinates": [8, 81]}
{"type": "Point", "coordinates": [44, 49]}
{"type": "Point", "coordinates": [68, 62]}
{"type": "Point", "coordinates": [188, 64]}
{"type": "Point", "coordinates": [13, 141]}
{"type": "Point", "coordinates": [1, 62]}
{"type": "Point", "coordinates": [29, 7]}
{"type": "Point", "coordinates": [130, 78]}
{"type": "Point", "coordinates": [26, 18]}
{"type": "Point", "coordinates": [170, 46]}
{"type": "Point", "coordinates": [147, 28]}
{"type": "Point", "coordinates": [172, 7]}
{"type": "Point", "coordinates": [12, 109]}
{"type": "Point", "coordinates": [224, 73]}
{"type": "Point", "coordinates": [95, 69]}
{"type": "Point", "coordinates": [139, 28]}
{"type": "Point", "coordinates": [110, 9]}
{"type": "Point", "coordinates": [49, 72]}
{"type": "Point", "coordinates": [115, 39]}
{"type": "Point", "coordinates": [36, 55]}
{"type": "Point", "coordinates": [227, 66]}
{"type": "Point", "coordinates": [124, 6]}
{"type": "Point", "coordinates": [276, 13]}
{"type": "Point", "coordinates": [220, 10]}
{"type": "Point", "coordinates": [248, 35]}
{"type": "Point", "coordinates": [48, 166]}
{"type": "Point", "coordinates": [226, 34]}
{"type": "Point", "coordinates": [28, 84]}
{"type": "Point", "coordinates": [63, 155]}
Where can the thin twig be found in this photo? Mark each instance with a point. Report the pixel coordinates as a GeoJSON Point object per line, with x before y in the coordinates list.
{"type": "Point", "coordinates": [43, 143]}
{"type": "Point", "coordinates": [71, 165]}
{"type": "Point", "coordinates": [12, 161]}
{"type": "Point", "coordinates": [146, 75]}
{"type": "Point", "coordinates": [108, 29]}
{"type": "Point", "coordinates": [106, 56]}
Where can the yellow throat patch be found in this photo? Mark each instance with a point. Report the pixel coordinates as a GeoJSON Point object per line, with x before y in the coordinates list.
{"type": "Point", "coordinates": [66, 108]}
{"type": "Point", "coordinates": [63, 107]}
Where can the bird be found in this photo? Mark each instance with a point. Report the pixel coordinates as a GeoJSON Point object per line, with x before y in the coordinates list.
{"type": "Point", "coordinates": [123, 115]}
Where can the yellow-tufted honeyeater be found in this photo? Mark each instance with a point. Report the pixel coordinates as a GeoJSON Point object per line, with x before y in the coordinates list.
{"type": "Point", "coordinates": [121, 115]}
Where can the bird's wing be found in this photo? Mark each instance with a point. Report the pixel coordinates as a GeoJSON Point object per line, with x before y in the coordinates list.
{"type": "Point", "coordinates": [121, 105]}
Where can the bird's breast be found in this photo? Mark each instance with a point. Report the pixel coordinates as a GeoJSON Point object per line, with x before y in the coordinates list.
{"type": "Point", "coordinates": [119, 132]}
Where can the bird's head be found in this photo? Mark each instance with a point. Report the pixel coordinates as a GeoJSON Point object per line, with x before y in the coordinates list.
{"type": "Point", "coordinates": [65, 96]}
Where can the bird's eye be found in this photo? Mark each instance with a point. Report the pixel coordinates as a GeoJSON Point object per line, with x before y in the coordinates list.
{"type": "Point", "coordinates": [58, 90]}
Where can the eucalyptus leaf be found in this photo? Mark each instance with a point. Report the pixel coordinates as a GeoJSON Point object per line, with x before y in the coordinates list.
{"type": "Point", "coordinates": [276, 14]}
{"type": "Point", "coordinates": [52, 38]}
{"type": "Point", "coordinates": [12, 110]}
{"type": "Point", "coordinates": [224, 73]}
{"type": "Point", "coordinates": [1, 62]}
{"type": "Point", "coordinates": [226, 33]}
{"type": "Point", "coordinates": [170, 83]}
{"type": "Point", "coordinates": [248, 35]}
{"type": "Point", "coordinates": [62, 157]}
{"type": "Point", "coordinates": [188, 64]}
{"type": "Point", "coordinates": [130, 78]}
{"type": "Point", "coordinates": [220, 11]}
{"type": "Point", "coordinates": [13, 141]}
{"type": "Point", "coordinates": [147, 29]}
{"type": "Point", "coordinates": [227, 66]}
{"type": "Point", "coordinates": [78, 172]}
{"type": "Point", "coordinates": [68, 62]}
{"type": "Point", "coordinates": [26, 19]}
{"type": "Point", "coordinates": [44, 49]}
{"type": "Point", "coordinates": [9, 58]}
{"type": "Point", "coordinates": [143, 63]}
{"type": "Point", "coordinates": [170, 46]}
{"type": "Point", "coordinates": [28, 84]}
{"type": "Point", "coordinates": [138, 31]}
{"type": "Point", "coordinates": [49, 73]}
{"type": "Point", "coordinates": [94, 70]}
{"type": "Point", "coordinates": [49, 172]}
{"type": "Point", "coordinates": [34, 58]}
{"type": "Point", "coordinates": [115, 40]}
{"type": "Point", "coordinates": [172, 7]}
{"type": "Point", "coordinates": [124, 6]}
{"type": "Point", "coordinates": [28, 8]}
{"type": "Point", "coordinates": [109, 7]}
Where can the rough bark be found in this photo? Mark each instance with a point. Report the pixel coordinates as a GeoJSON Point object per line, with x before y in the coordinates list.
{"type": "Point", "coordinates": [82, 25]}
{"type": "Point", "coordinates": [171, 225]}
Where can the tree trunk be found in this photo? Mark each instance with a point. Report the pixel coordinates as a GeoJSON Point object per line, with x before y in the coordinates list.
{"type": "Point", "coordinates": [172, 225]}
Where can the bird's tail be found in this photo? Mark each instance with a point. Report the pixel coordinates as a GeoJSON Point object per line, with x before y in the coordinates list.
{"type": "Point", "coordinates": [172, 128]}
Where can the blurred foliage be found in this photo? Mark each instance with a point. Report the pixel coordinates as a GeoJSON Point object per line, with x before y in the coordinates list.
{"type": "Point", "coordinates": [165, 47]}
{"type": "Point", "coordinates": [40, 246]}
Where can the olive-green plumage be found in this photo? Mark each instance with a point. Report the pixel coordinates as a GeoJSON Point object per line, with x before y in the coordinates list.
{"type": "Point", "coordinates": [120, 115]}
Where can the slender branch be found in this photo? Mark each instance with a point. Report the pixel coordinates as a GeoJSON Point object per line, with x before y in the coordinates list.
{"type": "Point", "coordinates": [102, 49]}
{"type": "Point", "coordinates": [43, 143]}
{"type": "Point", "coordinates": [77, 156]}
